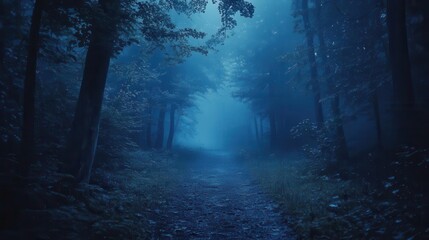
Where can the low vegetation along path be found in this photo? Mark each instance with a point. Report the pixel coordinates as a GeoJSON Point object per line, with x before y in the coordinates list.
{"type": "Point", "coordinates": [216, 199]}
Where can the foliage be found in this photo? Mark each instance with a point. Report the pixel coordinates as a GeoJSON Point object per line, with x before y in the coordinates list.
{"type": "Point", "coordinates": [119, 203]}
{"type": "Point", "coordinates": [332, 206]}
{"type": "Point", "coordinates": [319, 144]}
{"type": "Point", "coordinates": [151, 21]}
{"type": "Point", "coordinates": [127, 108]}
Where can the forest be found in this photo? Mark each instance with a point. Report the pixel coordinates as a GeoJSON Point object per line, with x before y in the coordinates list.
{"type": "Point", "coordinates": [214, 119]}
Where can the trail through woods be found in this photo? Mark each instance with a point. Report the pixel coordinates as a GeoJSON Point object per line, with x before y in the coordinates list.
{"type": "Point", "coordinates": [216, 199]}
{"type": "Point", "coordinates": [194, 195]}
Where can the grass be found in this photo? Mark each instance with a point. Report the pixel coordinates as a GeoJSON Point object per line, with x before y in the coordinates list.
{"type": "Point", "coordinates": [137, 189]}
{"type": "Point", "coordinates": [120, 202]}
{"type": "Point", "coordinates": [319, 206]}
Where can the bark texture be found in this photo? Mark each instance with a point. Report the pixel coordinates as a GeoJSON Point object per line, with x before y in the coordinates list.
{"type": "Point", "coordinates": [84, 133]}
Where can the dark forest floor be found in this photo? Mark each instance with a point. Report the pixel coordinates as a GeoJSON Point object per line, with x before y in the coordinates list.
{"type": "Point", "coordinates": [208, 195]}
{"type": "Point", "coordinates": [145, 195]}
{"type": "Point", "coordinates": [116, 205]}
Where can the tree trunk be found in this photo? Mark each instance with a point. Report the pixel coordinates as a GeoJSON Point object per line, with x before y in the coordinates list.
{"type": "Point", "coordinates": [374, 97]}
{"type": "Point", "coordinates": [84, 133]}
{"type": "Point", "coordinates": [160, 131]}
{"type": "Point", "coordinates": [313, 65]}
{"type": "Point", "coordinates": [403, 93]}
{"type": "Point", "coordinates": [273, 131]}
{"type": "Point", "coordinates": [29, 110]}
{"type": "Point", "coordinates": [261, 127]}
{"type": "Point", "coordinates": [280, 125]}
{"type": "Point", "coordinates": [2, 38]}
{"type": "Point", "coordinates": [41, 132]}
{"type": "Point", "coordinates": [341, 152]}
{"type": "Point", "coordinates": [256, 130]}
{"type": "Point", "coordinates": [272, 116]}
{"type": "Point", "coordinates": [149, 129]}
{"type": "Point", "coordinates": [172, 126]}
{"type": "Point", "coordinates": [3, 84]}
{"type": "Point", "coordinates": [376, 109]}
{"type": "Point", "coordinates": [340, 138]}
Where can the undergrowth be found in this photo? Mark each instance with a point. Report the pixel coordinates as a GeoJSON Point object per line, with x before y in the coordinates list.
{"type": "Point", "coordinates": [318, 205]}
{"type": "Point", "coordinates": [120, 202]}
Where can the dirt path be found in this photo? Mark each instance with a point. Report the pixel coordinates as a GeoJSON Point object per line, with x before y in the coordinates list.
{"type": "Point", "coordinates": [217, 200]}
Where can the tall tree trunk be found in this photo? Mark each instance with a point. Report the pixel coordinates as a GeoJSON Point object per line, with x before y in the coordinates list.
{"type": "Point", "coordinates": [3, 83]}
{"type": "Point", "coordinates": [375, 97]}
{"type": "Point", "coordinates": [261, 128]}
{"type": "Point", "coordinates": [256, 130]}
{"type": "Point", "coordinates": [272, 116]}
{"type": "Point", "coordinates": [172, 126]}
{"type": "Point", "coordinates": [84, 133]}
{"type": "Point", "coordinates": [29, 110]}
{"type": "Point", "coordinates": [273, 131]}
{"type": "Point", "coordinates": [280, 124]}
{"type": "Point", "coordinates": [2, 38]}
{"type": "Point", "coordinates": [376, 110]}
{"type": "Point", "coordinates": [341, 152]}
{"type": "Point", "coordinates": [11, 27]}
{"type": "Point", "coordinates": [315, 86]}
{"type": "Point", "coordinates": [160, 129]}
{"type": "Point", "coordinates": [340, 138]}
{"type": "Point", "coordinates": [403, 92]}
{"type": "Point", "coordinates": [41, 131]}
{"type": "Point", "coordinates": [149, 129]}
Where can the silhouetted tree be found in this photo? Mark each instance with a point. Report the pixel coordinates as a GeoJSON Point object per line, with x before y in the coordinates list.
{"type": "Point", "coordinates": [27, 144]}
{"type": "Point", "coordinates": [172, 126]}
{"type": "Point", "coordinates": [401, 71]}
{"type": "Point", "coordinates": [340, 138]}
{"type": "Point", "coordinates": [160, 129]}
{"type": "Point", "coordinates": [315, 85]}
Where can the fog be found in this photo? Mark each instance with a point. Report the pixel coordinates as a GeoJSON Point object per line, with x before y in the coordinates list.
{"type": "Point", "coordinates": [214, 119]}
{"type": "Point", "coordinates": [222, 122]}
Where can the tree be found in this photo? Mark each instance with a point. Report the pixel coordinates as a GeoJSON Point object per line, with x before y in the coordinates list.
{"type": "Point", "coordinates": [401, 71]}
{"type": "Point", "coordinates": [148, 129]}
{"type": "Point", "coordinates": [160, 128]}
{"type": "Point", "coordinates": [340, 138]}
{"type": "Point", "coordinates": [84, 133]}
{"type": "Point", "coordinates": [126, 105]}
{"type": "Point", "coordinates": [172, 126]}
{"type": "Point", "coordinates": [2, 36]}
{"type": "Point", "coordinates": [315, 85]}
{"type": "Point", "coordinates": [122, 17]}
{"type": "Point", "coordinates": [182, 90]}
{"type": "Point", "coordinates": [258, 138]}
{"type": "Point", "coordinates": [20, 58]}
{"type": "Point", "coordinates": [12, 65]}
{"type": "Point", "coordinates": [27, 144]}
{"type": "Point", "coordinates": [354, 70]}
